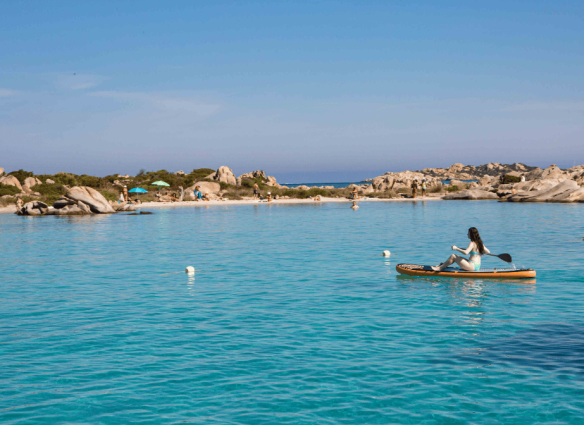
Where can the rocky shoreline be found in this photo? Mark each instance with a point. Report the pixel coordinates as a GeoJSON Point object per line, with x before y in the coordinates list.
{"type": "Point", "coordinates": [503, 182]}
{"type": "Point", "coordinates": [512, 183]}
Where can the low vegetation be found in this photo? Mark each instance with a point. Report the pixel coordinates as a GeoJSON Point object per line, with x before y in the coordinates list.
{"type": "Point", "coordinates": [111, 186]}
{"type": "Point", "coordinates": [8, 190]}
{"type": "Point", "coordinates": [508, 179]}
{"type": "Point", "coordinates": [21, 175]}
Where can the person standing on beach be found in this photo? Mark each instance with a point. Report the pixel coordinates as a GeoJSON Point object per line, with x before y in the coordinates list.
{"type": "Point", "coordinates": [256, 191]}
{"type": "Point", "coordinates": [125, 191]}
{"type": "Point", "coordinates": [424, 188]}
{"type": "Point", "coordinates": [414, 188]}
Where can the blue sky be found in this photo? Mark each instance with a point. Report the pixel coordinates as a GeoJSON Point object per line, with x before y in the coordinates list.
{"type": "Point", "coordinates": [308, 91]}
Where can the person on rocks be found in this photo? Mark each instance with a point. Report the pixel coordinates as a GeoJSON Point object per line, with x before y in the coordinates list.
{"type": "Point", "coordinates": [197, 193]}
{"type": "Point", "coordinates": [354, 193]}
{"type": "Point", "coordinates": [125, 191]}
{"type": "Point", "coordinates": [475, 248]}
{"type": "Point", "coordinates": [19, 203]}
{"type": "Point", "coordinates": [206, 197]}
{"type": "Point", "coordinates": [414, 188]}
{"type": "Point", "coordinates": [121, 197]}
{"type": "Point", "coordinates": [424, 187]}
{"type": "Point", "coordinates": [256, 191]}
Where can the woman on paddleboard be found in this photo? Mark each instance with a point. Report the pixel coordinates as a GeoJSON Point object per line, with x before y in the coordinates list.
{"type": "Point", "coordinates": [475, 248]}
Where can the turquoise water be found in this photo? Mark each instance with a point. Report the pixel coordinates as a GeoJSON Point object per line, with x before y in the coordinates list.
{"type": "Point", "coordinates": [294, 317]}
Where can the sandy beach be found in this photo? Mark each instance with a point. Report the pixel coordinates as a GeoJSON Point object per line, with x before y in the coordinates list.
{"type": "Point", "coordinates": [12, 208]}
{"type": "Point", "coordinates": [277, 202]}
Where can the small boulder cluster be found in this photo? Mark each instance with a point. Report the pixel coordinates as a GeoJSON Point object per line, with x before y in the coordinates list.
{"type": "Point", "coordinates": [225, 175]}
{"type": "Point", "coordinates": [78, 200]}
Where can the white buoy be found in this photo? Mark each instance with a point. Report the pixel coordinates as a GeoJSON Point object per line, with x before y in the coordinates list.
{"type": "Point", "coordinates": [190, 269]}
{"type": "Point", "coordinates": [386, 253]}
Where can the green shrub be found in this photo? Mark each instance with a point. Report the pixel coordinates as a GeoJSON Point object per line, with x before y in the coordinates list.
{"type": "Point", "coordinates": [317, 191]}
{"type": "Point", "coordinates": [110, 196]}
{"type": "Point", "coordinates": [201, 173]}
{"type": "Point", "coordinates": [6, 189]}
{"type": "Point", "coordinates": [50, 192]}
{"type": "Point", "coordinates": [61, 178]}
{"type": "Point", "coordinates": [452, 189]}
{"type": "Point", "coordinates": [21, 175]}
{"type": "Point", "coordinates": [91, 181]}
{"type": "Point", "coordinates": [111, 178]}
{"type": "Point", "coordinates": [225, 186]}
{"type": "Point", "coordinates": [511, 179]}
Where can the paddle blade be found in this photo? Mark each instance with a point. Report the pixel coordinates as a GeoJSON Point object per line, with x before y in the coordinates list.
{"type": "Point", "coordinates": [505, 257]}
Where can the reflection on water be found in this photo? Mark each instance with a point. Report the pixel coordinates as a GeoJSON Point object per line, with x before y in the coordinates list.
{"type": "Point", "coordinates": [474, 295]}
{"type": "Point", "coordinates": [191, 283]}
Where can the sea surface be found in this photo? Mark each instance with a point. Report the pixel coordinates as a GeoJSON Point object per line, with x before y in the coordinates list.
{"type": "Point", "coordinates": [293, 317]}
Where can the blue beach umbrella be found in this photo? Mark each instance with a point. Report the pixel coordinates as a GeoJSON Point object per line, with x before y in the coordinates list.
{"type": "Point", "coordinates": [137, 190]}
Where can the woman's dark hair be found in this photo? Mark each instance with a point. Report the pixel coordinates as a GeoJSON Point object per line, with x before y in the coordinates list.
{"type": "Point", "coordinates": [476, 238]}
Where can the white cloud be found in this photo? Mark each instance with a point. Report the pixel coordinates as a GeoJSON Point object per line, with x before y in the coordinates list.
{"type": "Point", "coordinates": [7, 92]}
{"type": "Point", "coordinates": [78, 81]}
{"type": "Point", "coordinates": [163, 102]}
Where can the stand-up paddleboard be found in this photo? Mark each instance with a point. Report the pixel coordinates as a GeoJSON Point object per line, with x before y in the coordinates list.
{"type": "Point", "coordinates": [495, 273]}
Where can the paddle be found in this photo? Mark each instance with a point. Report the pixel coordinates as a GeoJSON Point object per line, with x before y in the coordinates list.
{"type": "Point", "coordinates": [504, 257]}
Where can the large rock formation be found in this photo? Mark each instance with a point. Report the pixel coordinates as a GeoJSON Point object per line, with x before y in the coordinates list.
{"type": "Point", "coordinates": [566, 191]}
{"type": "Point", "coordinates": [254, 174]}
{"type": "Point", "coordinates": [470, 172]}
{"type": "Point", "coordinates": [402, 180]}
{"type": "Point", "coordinates": [30, 182]}
{"type": "Point", "coordinates": [11, 181]}
{"type": "Point", "coordinates": [1, 171]}
{"type": "Point", "coordinates": [77, 200]}
{"type": "Point", "coordinates": [471, 195]}
{"type": "Point", "coordinates": [34, 208]}
{"type": "Point", "coordinates": [90, 197]}
{"type": "Point", "coordinates": [225, 175]}
{"type": "Point", "coordinates": [206, 187]}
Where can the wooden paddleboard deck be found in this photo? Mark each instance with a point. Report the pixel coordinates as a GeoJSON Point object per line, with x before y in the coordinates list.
{"type": "Point", "coordinates": [426, 271]}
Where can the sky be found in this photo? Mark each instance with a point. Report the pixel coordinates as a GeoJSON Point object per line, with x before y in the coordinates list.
{"type": "Point", "coordinates": [314, 91]}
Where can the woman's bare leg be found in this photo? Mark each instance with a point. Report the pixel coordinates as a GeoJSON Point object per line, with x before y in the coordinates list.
{"type": "Point", "coordinates": [461, 261]}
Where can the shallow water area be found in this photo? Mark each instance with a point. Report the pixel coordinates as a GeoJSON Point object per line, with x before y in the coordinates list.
{"type": "Point", "coordinates": [292, 316]}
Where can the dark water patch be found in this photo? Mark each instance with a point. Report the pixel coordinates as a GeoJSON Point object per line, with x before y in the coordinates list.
{"type": "Point", "coordinates": [547, 346]}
